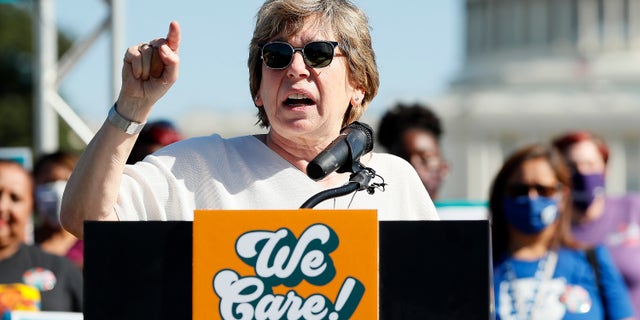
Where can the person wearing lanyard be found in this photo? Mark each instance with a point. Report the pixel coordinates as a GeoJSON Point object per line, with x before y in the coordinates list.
{"type": "Point", "coordinates": [540, 271]}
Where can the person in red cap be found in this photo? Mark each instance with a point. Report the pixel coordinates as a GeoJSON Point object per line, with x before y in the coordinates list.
{"type": "Point", "coordinates": [153, 136]}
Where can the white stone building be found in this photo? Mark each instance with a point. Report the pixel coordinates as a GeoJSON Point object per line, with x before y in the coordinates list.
{"type": "Point", "coordinates": [534, 69]}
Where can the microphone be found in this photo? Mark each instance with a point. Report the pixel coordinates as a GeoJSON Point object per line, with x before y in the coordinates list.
{"type": "Point", "coordinates": [343, 154]}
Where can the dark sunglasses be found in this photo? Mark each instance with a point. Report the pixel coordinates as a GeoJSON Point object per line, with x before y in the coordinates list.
{"type": "Point", "coordinates": [521, 189]}
{"type": "Point", "coordinates": [317, 54]}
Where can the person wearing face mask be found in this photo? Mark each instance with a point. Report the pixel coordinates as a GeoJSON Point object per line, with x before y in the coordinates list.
{"type": "Point", "coordinates": [599, 218]}
{"type": "Point", "coordinates": [540, 271]}
{"type": "Point", "coordinates": [51, 173]}
{"type": "Point", "coordinates": [30, 279]}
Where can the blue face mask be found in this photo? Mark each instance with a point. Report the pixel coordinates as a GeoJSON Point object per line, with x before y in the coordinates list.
{"type": "Point", "coordinates": [48, 198]}
{"type": "Point", "coordinates": [528, 215]}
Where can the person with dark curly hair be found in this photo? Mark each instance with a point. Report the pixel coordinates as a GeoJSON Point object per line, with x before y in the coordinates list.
{"type": "Point", "coordinates": [413, 133]}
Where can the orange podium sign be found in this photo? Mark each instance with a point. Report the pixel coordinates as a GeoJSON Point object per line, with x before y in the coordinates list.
{"type": "Point", "coordinates": [285, 264]}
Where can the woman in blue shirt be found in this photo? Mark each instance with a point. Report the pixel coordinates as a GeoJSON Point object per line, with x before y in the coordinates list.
{"type": "Point", "coordinates": [540, 272]}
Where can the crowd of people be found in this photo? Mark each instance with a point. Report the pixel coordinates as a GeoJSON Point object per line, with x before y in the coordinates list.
{"type": "Point", "coordinates": [33, 277]}
{"type": "Point", "coordinates": [562, 248]}
{"type": "Point", "coordinates": [46, 275]}
{"type": "Point", "coordinates": [540, 270]}
{"type": "Point", "coordinates": [41, 266]}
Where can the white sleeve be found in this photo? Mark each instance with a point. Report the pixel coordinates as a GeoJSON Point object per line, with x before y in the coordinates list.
{"type": "Point", "coordinates": [407, 197]}
{"type": "Point", "coordinates": [150, 190]}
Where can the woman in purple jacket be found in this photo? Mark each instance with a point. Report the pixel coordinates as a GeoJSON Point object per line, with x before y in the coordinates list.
{"type": "Point", "coordinates": [599, 218]}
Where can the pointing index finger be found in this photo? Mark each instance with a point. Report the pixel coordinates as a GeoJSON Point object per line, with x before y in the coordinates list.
{"type": "Point", "coordinates": [173, 36]}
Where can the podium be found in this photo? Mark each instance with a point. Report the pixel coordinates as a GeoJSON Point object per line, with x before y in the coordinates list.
{"type": "Point", "coordinates": [427, 270]}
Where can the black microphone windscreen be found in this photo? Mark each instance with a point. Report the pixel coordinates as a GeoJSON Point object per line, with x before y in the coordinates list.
{"type": "Point", "coordinates": [355, 140]}
{"type": "Point", "coordinates": [367, 130]}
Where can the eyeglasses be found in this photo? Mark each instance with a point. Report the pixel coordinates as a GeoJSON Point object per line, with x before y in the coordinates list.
{"type": "Point", "coordinates": [521, 189]}
{"type": "Point", "coordinates": [317, 54]}
{"type": "Point", "coordinates": [427, 161]}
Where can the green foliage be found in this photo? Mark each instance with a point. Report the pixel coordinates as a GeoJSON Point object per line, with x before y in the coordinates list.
{"type": "Point", "coordinates": [15, 121]}
{"type": "Point", "coordinates": [16, 76]}
{"type": "Point", "coordinates": [16, 50]}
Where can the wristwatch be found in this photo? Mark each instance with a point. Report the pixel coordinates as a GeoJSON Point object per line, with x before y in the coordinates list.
{"type": "Point", "coordinates": [128, 126]}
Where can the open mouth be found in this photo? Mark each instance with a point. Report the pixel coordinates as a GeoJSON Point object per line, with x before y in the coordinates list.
{"type": "Point", "coordinates": [298, 100]}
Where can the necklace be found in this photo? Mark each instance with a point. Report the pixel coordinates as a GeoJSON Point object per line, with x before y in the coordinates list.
{"type": "Point", "coordinates": [544, 272]}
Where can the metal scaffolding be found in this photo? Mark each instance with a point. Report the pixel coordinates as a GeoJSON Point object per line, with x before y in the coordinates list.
{"type": "Point", "coordinates": [50, 72]}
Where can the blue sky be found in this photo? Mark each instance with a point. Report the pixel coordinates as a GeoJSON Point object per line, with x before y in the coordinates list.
{"type": "Point", "coordinates": [418, 45]}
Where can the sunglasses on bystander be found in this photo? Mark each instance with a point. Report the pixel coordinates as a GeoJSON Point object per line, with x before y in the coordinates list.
{"type": "Point", "coordinates": [521, 189]}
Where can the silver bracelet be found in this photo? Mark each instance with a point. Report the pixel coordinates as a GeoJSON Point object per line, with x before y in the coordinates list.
{"type": "Point", "coordinates": [120, 122]}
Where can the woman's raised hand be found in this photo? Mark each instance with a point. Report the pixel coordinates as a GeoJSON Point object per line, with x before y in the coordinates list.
{"type": "Point", "coordinates": [149, 70]}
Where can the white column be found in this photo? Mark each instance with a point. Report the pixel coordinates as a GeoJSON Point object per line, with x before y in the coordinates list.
{"type": "Point", "coordinates": [473, 29]}
{"type": "Point", "coordinates": [613, 24]}
{"type": "Point", "coordinates": [632, 158]}
{"type": "Point", "coordinates": [504, 22]}
{"type": "Point", "coordinates": [617, 167]}
{"type": "Point", "coordinates": [484, 158]}
{"type": "Point", "coordinates": [538, 23]}
{"type": "Point", "coordinates": [634, 24]}
{"type": "Point", "coordinates": [117, 49]}
{"type": "Point", "coordinates": [45, 124]}
{"type": "Point", "coordinates": [453, 148]}
{"type": "Point", "coordinates": [519, 14]}
{"type": "Point", "coordinates": [560, 22]}
{"type": "Point", "coordinates": [488, 23]}
{"type": "Point", "coordinates": [588, 29]}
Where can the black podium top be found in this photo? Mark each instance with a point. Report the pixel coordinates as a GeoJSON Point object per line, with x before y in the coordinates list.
{"type": "Point", "coordinates": [428, 270]}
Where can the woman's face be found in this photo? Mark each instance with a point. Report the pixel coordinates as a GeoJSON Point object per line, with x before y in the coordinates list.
{"type": "Point", "coordinates": [423, 152]}
{"type": "Point", "coordinates": [534, 178]}
{"type": "Point", "coordinates": [585, 157]}
{"type": "Point", "coordinates": [305, 103]}
{"type": "Point", "coordinates": [16, 204]}
{"type": "Point", "coordinates": [534, 216]}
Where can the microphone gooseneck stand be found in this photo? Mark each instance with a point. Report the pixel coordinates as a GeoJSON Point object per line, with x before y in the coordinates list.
{"type": "Point", "coordinates": [343, 155]}
{"type": "Point", "coordinates": [358, 181]}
